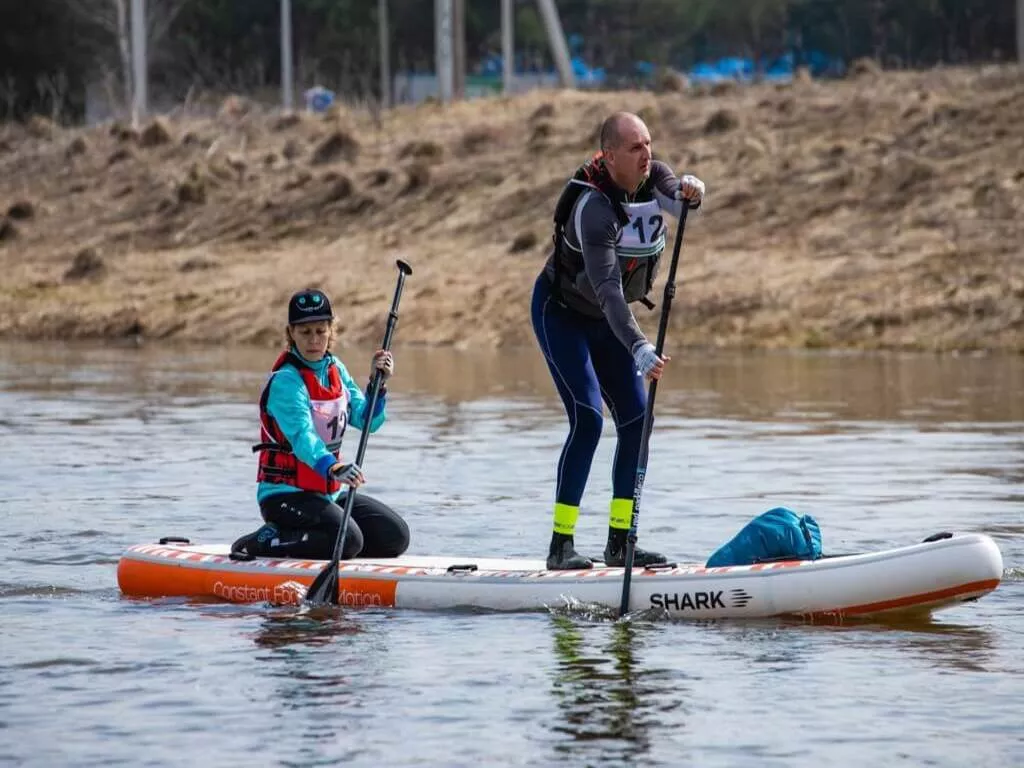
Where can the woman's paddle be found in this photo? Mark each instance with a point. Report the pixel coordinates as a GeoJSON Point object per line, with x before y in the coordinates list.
{"type": "Point", "coordinates": [324, 589]}
{"type": "Point", "coordinates": [645, 439]}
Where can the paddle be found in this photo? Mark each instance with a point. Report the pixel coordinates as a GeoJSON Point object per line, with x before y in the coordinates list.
{"type": "Point", "coordinates": [645, 439]}
{"type": "Point", "coordinates": [324, 589]}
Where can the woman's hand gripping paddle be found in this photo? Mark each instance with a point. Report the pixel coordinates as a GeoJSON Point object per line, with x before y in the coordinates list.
{"type": "Point", "coordinates": [324, 589]}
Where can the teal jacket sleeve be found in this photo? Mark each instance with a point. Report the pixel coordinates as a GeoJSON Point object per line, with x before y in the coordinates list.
{"type": "Point", "coordinates": [358, 403]}
{"type": "Point", "coordinates": [288, 403]}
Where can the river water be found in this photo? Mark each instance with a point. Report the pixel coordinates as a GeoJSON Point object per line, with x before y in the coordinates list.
{"type": "Point", "coordinates": [104, 447]}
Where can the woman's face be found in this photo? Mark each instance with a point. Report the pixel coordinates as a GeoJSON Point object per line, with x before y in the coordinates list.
{"type": "Point", "coordinates": [311, 339]}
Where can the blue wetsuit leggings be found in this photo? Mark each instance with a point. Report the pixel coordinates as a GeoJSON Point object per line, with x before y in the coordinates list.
{"type": "Point", "coordinates": [589, 365]}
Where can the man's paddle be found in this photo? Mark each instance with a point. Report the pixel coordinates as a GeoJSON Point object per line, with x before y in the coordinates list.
{"type": "Point", "coordinates": [324, 589]}
{"type": "Point", "coordinates": [645, 439]}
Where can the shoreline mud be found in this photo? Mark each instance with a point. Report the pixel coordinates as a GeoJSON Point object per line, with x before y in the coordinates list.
{"type": "Point", "coordinates": [881, 212]}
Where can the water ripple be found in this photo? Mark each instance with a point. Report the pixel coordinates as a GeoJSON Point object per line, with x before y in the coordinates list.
{"type": "Point", "coordinates": [881, 450]}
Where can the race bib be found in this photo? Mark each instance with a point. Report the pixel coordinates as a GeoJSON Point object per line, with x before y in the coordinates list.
{"type": "Point", "coordinates": [644, 235]}
{"type": "Point", "coordinates": [330, 417]}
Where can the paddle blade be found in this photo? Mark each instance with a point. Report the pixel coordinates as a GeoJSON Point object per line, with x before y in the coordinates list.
{"type": "Point", "coordinates": [324, 589]}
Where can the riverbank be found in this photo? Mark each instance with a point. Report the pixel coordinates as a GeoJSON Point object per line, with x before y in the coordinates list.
{"type": "Point", "coordinates": [884, 211]}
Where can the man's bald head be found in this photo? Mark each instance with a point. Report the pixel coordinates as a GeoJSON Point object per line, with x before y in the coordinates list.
{"type": "Point", "coordinates": [626, 149]}
{"type": "Point", "coordinates": [615, 126]}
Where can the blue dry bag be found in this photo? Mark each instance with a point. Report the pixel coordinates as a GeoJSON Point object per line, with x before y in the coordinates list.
{"type": "Point", "coordinates": [778, 534]}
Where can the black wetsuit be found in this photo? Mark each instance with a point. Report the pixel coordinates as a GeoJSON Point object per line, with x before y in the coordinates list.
{"type": "Point", "coordinates": [608, 257]}
{"type": "Point", "coordinates": [305, 525]}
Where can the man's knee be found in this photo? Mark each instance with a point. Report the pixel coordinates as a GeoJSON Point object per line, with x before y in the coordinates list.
{"type": "Point", "coordinates": [631, 428]}
{"type": "Point", "coordinates": [588, 425]}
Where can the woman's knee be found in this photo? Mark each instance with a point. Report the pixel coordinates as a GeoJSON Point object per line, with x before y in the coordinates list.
{"type": "Point", "coordinates": [385, 533]}
{"type": "Point", "coordinates": [397, 540]}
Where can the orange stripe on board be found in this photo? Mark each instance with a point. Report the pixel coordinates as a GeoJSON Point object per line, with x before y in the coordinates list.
{"type": "Point", "coordinates": [366, 592]}
{"type": "Point", "coordinates": [908, 602]}
{"type": "Point", "coordinates": [148, 579]}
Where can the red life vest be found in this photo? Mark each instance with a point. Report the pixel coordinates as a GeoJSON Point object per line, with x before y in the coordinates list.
{"type": "Point", "coordinates": [329, 410]}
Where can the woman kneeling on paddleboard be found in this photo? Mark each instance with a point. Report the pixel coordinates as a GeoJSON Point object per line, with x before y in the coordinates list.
{"type": "Point", "coordinates": [305, 406]}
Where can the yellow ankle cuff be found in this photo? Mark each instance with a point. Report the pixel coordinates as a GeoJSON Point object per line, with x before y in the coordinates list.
{"type": "Point", "coordinates": [621, 514]}
{"type": "Point", "coordinates": [566, 516]}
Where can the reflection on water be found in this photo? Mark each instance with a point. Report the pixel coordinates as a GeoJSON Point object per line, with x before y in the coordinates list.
{"type": "Point", "coordinates": [954, 647]}
{"type": "Point", "coordinates": [605, 696]}
{"type": "Point", "coordinates": [788, 386]}
{"type": "Point", "coordinates": [940, 644]}
{"type": "Point", "coordinates": [281, 627]}
{"type": "Point", "coordinates": [107, 447]}
{"type": "Point", "coordinates": [936, 642]}
{"type": "Point", "coordinates": [309, 627]}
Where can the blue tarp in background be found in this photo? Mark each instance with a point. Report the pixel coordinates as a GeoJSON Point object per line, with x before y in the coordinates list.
{"type": "Point", "coordinates": [733, 68]}
{"type": "Point", "coordinates": [532, 72]}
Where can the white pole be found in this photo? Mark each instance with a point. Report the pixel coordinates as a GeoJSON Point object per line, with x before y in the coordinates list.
{"type": "Point", "coordinates": [287, 100]}
{"type": "Point", "coordinates": [443, 46]}
{"type": "Point", "coordinates": [507, 49]}
{"type": "Point", "coordinates": [459, 48]}
{"type": "Point", "coordinates": [559, 49]}
{"type": "Point", "coordinates": [385, 54]}
{"type": "Point", "coordinates": [1020, 32]}
{"type": "Point", "coordinates": [139, 60]}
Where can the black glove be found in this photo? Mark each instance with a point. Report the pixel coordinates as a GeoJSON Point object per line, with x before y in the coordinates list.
{"type": "Point", "coordinates": [348, 474]}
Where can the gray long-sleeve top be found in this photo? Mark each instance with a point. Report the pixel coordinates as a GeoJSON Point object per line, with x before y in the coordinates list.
{"type": "Point", "coordinates": [595, 230]}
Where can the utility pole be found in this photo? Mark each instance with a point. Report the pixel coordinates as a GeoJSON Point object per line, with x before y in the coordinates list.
{"type": "Point", "coordinates": [1020, 32]}
{"type": "Point", "coordinates": [559, 48]}
{"type": "Point", "coordinates": [139, 67]}
{"type": "Point", "coordinates": [443, 49]}
{"type": "Point", "coordinates": [507, 49]}
{"type": "Point", "coordinates": [385, 54]}
{"type": "Point", "coordinates": [459, 48]}
{"type": "Point", "coordinates": [287, 99]}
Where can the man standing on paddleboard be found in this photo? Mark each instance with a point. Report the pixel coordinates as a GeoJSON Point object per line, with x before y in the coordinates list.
{"type": "Point", "coordinates": [608, 241]}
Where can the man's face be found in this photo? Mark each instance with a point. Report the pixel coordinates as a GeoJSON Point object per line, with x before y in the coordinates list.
{"type": "Point", "coordinates": [630, 160]}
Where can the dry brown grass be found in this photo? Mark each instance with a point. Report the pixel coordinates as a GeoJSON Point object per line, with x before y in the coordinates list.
{"type": "Point", "coordinates": [883, 211]}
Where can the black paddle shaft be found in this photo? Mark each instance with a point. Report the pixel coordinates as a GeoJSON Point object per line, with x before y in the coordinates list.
{"type": "Point", "coordinates": [645, 439]}
{"type": "Point", "coordinates": [324, 588]}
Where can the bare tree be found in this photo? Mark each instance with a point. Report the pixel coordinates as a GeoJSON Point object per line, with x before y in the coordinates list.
{"type": "Point", "coordinates": [9, 95]}
{"type": "Point", "coordinates": [113, 17]}
{"type": "Point", "coordinates": [53, 88]}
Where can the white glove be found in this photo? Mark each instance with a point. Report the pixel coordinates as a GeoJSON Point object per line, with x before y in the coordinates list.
{"type": "Point", "coordinates": [645, 357]}
{"type": "Point", "coordinates": [348, 474]}
{"type": "Point", "coordinates": [690, 188]}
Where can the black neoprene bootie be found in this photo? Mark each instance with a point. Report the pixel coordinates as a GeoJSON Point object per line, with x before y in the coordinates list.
{"type": "Point", "coordinates": [615, 551]}
{"type": "Point", "coordinates": [562, 555]}
{"type": "Point", "coordinates": [258, 543]}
